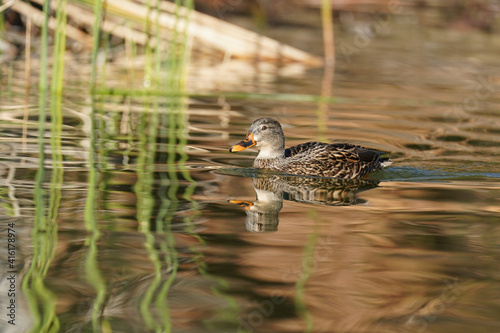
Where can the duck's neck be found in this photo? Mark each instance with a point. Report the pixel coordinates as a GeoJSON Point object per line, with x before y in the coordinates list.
{"type": "Point", "coordinates": [269, 157]}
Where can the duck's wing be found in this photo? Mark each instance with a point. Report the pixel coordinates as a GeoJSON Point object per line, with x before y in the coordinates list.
{"type": "Point", "coordinates": [303, 147]}
{"type": "Point", "coordinates": [362, 154]}
{"type": "Point", "coordinates": [359, 153]}
{"type": "Point", "coordinates": [341, 160]}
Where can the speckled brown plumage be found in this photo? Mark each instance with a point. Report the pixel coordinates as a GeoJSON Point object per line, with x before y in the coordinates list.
{"type": "Point", "coordinates": [312, 158]}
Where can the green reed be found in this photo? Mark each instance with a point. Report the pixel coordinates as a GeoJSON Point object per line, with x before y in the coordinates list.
{"type": "Point", "coordinates": [32, 276]}
{"type": "Point", "coordinates": [42, 300]}
{"type": "Point", "coordinates": [56, 179]}
{"type": "Point", "coordinates": [101, 120]}
{"type": "Point", "coordinates": [126, 123]}
{"type": "Point", "coordinates": [175, 125]}
{"type": "Point", "coordinates": [93, 272]}
{"type": "Point", "coordinates": [167, 62]}
{"type": "Point", "coordinates": [2, 21]}
{"type": "Point", "coordinates": [10, 74]}
{"type": "Point", "coordinates": [147, 132]}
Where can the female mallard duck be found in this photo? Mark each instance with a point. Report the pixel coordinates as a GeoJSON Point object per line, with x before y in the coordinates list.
{"type": "Point", "coordinates": [340, 160]}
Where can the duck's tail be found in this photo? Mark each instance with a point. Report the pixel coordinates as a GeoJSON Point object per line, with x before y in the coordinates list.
{"type": "Point", "coordinates": [385, 162]}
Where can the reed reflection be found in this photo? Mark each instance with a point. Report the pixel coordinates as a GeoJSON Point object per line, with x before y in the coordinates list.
{"type": "Point", "coordinates": [271, 190]}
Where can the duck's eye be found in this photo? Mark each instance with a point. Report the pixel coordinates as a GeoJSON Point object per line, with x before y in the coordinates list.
{"type": "Point", "coordinates": [264, 128]}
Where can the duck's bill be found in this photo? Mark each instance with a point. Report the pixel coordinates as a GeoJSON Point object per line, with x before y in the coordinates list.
{"type": "Point", "coordinates": [245, 144]}
{"type": "Point", "coordinates": [241, 203]}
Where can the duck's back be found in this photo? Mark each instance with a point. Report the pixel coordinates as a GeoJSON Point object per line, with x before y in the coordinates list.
{"type": "Point", "coordinates": [340, 160]}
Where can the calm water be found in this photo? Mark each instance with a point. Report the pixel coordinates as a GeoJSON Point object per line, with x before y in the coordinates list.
{"type": "Point", "coordinates": [153, 234]}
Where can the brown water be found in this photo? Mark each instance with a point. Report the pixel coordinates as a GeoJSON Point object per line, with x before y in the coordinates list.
{"type": "Point", "coordinates": [414, 249]}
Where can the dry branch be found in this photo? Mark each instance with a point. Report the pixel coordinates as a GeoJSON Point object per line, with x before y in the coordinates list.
{"type": "Point", "coordinates": [37, 17]}
{"type": "Point", "coordinates": [127, 20]}
{"type": "Point", "coordinates": [231, 38]}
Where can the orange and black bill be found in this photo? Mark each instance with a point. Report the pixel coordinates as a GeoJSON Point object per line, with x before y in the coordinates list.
{"type": "Point", "coordinates": [242, 145]}
{"type": "Point", "coordinates": [241, 203]}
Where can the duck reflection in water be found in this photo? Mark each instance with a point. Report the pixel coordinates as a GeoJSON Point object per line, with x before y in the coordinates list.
{"type": "Point", "coordinates": [271, 190]}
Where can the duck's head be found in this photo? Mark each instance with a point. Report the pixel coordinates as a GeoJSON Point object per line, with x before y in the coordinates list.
{"type": "Point", "coordinates": [266, 134]}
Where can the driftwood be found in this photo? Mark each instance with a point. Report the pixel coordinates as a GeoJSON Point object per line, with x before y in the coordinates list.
{"type": "Point", "coordinates": [36, 16]}
{"type": "Point", "coordinates": [127, 20]}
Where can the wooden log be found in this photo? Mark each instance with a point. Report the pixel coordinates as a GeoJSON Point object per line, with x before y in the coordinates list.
{"type": "Point", "coordinates": [206, 30]}
{"type": "Point", "coordinates": [224, 36]}
{"type": "Point", "coordinates": [37, 17]}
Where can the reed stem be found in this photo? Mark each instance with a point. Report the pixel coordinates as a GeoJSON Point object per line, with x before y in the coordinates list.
{"type": "Point", "coordinates": [27, 78]}
{"type": "Point", "coordinates": [328, 36]}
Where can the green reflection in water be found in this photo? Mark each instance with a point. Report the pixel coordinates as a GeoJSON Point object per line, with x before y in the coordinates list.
{"type": "Point", "coordinates": [41, 300]}
{"type": "Point", "coordinates": [32, 276]}
{"type": "Point", "coordinates": [170, 142]}
{"type": "Point", "coordinates": [92, 271]}
{"type": "Point", "coordinates": [126, 123]}
{"type": "Point", "coordinates": [147, 132]}
{"type": "Point", "coordinates": [230, 313]}
{"type": "Point", "coordinates": [169, 184]}
{"type": "Point", "coordinates": [308, 263]}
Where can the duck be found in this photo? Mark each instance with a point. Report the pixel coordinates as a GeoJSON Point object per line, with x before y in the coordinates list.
{"type": "Point", "coordinates": [332, 160]}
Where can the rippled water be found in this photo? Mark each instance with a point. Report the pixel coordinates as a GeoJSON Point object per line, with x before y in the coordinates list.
{"type": "Point", "coordinates": [180, 235]}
